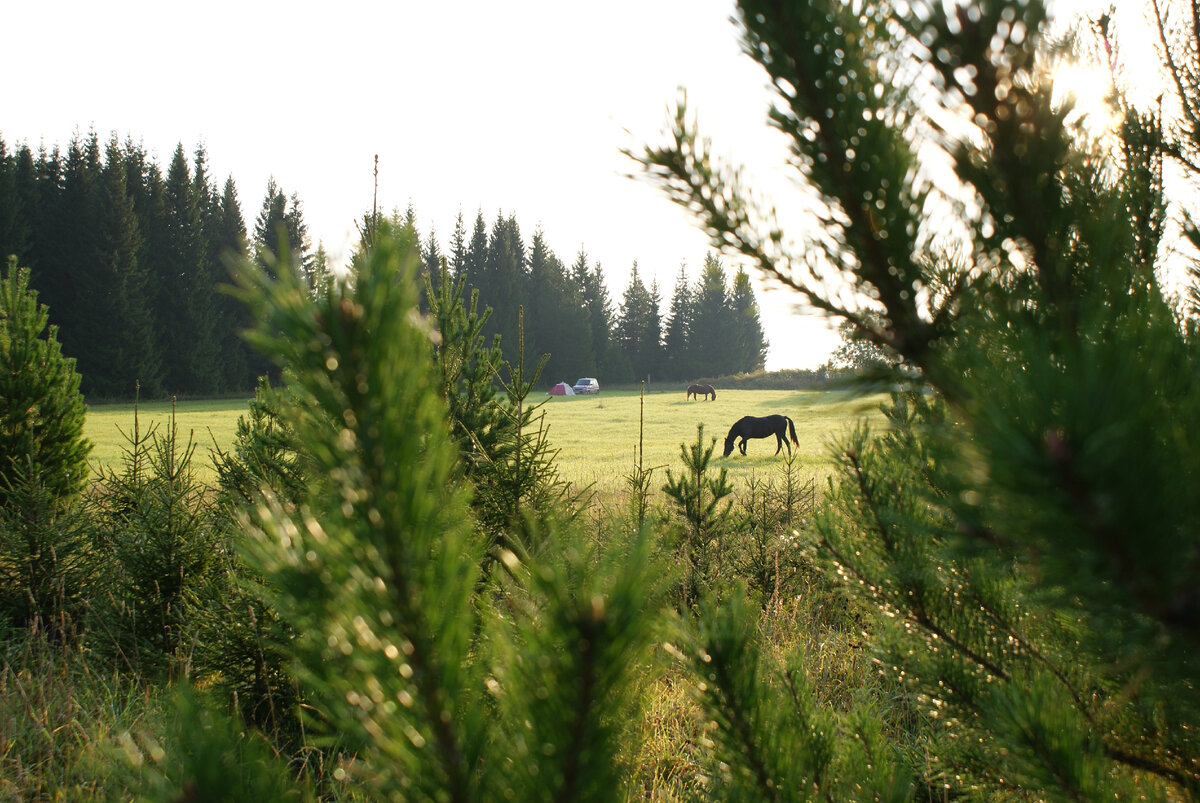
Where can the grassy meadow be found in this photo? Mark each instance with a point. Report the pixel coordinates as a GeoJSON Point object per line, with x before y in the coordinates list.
{"type": "Point", "coordinates": [210, 423]}
{"type": "Point", "coordinates": [596, 436]}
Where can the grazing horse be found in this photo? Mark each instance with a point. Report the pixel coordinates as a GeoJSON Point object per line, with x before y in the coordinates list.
{"type": "Point", "coordinates": [697, 391]}
{"type": "Point", "coordinates": [750, 427]}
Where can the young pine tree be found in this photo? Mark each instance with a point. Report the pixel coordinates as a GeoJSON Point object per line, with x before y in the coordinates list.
{"type": "Point", "coordinates": [444, 687]}
{"type": "Point", "coordinates": [1027, 530]}
{"type": "Point", "coordinates": [43, 462]}
{"type": "Point", "coordinates": [41, 410]}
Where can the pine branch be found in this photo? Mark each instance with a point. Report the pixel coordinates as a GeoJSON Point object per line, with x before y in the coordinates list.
{"type": "Point", "coordinates": [584, 708]}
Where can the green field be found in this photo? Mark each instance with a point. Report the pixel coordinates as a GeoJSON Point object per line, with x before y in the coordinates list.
{"type": "Point", "coordinates": [597, 436]}
{"type": "Point", "coordinates": [210, 424]}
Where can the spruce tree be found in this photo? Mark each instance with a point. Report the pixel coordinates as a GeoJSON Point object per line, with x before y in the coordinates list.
{"type": "Point", "coordinates": [1025, 524]}
{"type": "Point", "coordinates": [320, 272]}
{"type": "Point", "coordinates": [474, 264]}
{"type": "Point", "coordinates": [14, 227]}
{"type": "Point", "coordinates": [118, 292]}
{"type": "Point", "coordinates": [677, 360]}
{"type": "Point", "coordinates": [229, 246]}
{"type": "Point", "coordinates": [147, 190]}
{"type": "Point", "coordinates": [749, 341]}
{"type": "Point", "coordinates": [41, 410]}
{"type": "Point", "coordinates": [45, 560]}
{"type": "Point", "coordinates": [577, 275]}
{"type": "Point", "coordinates": [654, 332]}
{"type": "Point", "coordinates": [270, 228]}
{"type": "Point", "coordinates": [431, 261]}
{"type": "Point", "coordinates": [299, 245]}
{"type": "Point", "coordinates": [186, 287]}
{"type": "Point", "coordinates": [458, 247]}
{"type": "Point", "coordinates": [68, 241]}
{"type": "Point", "coordinates": [711, 348]}
{"type": "Point", "coordinates": [552, 320]}
{"type": "Point", "coordinates": [600, 317]}
{"type": "Point", "coordinates": [25, 175]}
{"type": "Point", "coordinates": [638, 328]}
{"type": "Point", "coordinates": [506, 271]}
{"type": "Point", "coordinates": [46, 196]}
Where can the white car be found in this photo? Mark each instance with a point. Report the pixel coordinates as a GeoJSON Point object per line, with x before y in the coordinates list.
{"type": "Point", "coordinates": [586, 385]}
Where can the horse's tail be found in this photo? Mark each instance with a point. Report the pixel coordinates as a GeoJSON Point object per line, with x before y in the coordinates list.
{"type": "Point", "coordinates": [792, 431]}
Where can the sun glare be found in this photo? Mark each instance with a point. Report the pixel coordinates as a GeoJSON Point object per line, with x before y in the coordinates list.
{"type": "Point", "coordinates": [1087, 89]}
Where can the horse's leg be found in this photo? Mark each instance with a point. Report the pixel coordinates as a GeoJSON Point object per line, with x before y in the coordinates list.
{"type": "Point", "coordinates": [778, 442]}
{"type": "Point", "coordinates": [742, 446]}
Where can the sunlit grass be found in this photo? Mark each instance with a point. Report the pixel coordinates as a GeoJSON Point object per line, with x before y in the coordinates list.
{"type": "Point", "coordinates": [597, 436]}
{"type": "Point", "coordinates": [209, 423]}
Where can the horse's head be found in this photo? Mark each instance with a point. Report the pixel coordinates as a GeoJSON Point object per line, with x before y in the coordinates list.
{"type": "Point", "coordinates": [729, 445]}
{"type": "Point", "coordinates": [714, 393]}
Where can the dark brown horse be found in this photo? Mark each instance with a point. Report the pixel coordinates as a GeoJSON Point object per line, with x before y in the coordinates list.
{"type": "Point", "coordinates": [750, 427]}
{"type": "Point", "coordinates": [697, 391]}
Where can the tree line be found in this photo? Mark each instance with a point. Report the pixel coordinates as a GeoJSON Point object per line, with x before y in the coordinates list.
{"type": "Point", "coordinates": [711, 327]}
{"type": "Point", "coordinates": [129, 259]}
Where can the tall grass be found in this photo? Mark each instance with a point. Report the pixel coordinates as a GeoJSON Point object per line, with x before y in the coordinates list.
{"type": "Point", "coordinates": [59, 715]}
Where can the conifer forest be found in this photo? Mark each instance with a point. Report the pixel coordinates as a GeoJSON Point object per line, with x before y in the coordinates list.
{"type": "Point", "coordinates": [108, 237]}
{"type": "Point", "coordinates": [389, 592]}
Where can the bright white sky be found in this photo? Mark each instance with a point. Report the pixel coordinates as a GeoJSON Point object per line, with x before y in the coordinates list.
{"type": "Point", "coordinates": [519, 106]}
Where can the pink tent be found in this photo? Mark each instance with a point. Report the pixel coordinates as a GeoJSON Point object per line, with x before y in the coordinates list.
{"type": "Point", "coordinates": [562, 389]}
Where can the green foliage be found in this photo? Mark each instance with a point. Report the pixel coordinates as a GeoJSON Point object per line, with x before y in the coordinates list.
{"type": "Point", "coordinates": [265, 454]}
{"type": "Point", "coordinates": [504, 454]}
{"type": "Point", "coordinates": [1027, 530]}
{"type": "Point", "coordinates": [773, 741]}
{"type": "Point", "coordinates": [44, 563]}
{"type": "Point", "coordinates": [701, 501]}
{"type": "Point", "coordinates": [57, 712]}
{"type": "Point", "coordinates": [768, 553]}
{"type": "Point", "coordinates": [154, 519]}
{"type": "Point", "coordinates": [378, 588]}
{"type": "Point", "coordinates": [194, 752]}
{"type": "Point", "coordinates": [245, 648]}
{"type": "Point", "coordinates": [467, 370]}
{"type": "Point", "coordinates": [41, 410]}
{"type": "Point", "coordinates": [443, 687]}
{"type": "Point", "coordinates": [47, 566]}
{"type": "Point", "coordinates": [567, 690]}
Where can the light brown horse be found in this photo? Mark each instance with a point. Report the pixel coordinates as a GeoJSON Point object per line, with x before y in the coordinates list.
{"type": "Point", "coordinates": [696, 391]}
